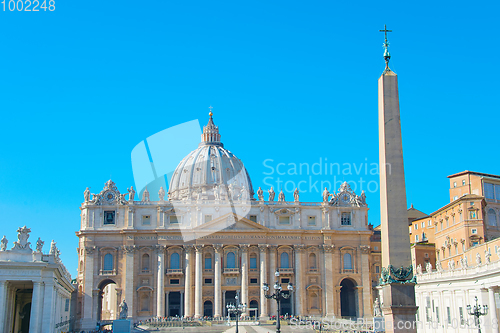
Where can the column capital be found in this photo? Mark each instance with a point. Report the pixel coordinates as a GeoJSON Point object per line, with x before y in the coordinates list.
{"type": "Point", "coordinates": [217, 248]}
{"type": "Point", "coordinates": [263, 248]}
{"type": "Point", "coordinates": [244, 247]}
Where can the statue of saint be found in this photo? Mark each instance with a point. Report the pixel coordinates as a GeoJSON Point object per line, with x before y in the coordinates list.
{"type": "Point", "coordinates": [296, 195]}
{"type": "Point", "coordinates": [131, 193]}
{"type": "Point", "coordinates": [260, 194]}
{"type": "Point", "coordinates": [86, 195]}
{"type": "Point", "coordinates": [145, 194]}
{"type": "Point", "coordinates": [281, 196]}
{"type": "Point", "coordinates": [123, 310]}
{"type": "Point", "coordinates": [39, 245]}
{"type": "Point", "coordinates": [161, 193]}
{"type": "Point", "coordinates": [326, 195]}
{"type": "Point", "coordinates": [271, 194]}
{"type": "Point", "coordinates": [53, 249]}
{"type": "Point", "coordinates": [3, 243]}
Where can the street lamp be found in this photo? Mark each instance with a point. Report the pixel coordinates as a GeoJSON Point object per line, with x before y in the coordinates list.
{"type": "Point", "coordinates": [237, 309]}
{"type": "Point", "coordinates": [477, 312]}
{"type": "Point", "coordinates": [278, 295]}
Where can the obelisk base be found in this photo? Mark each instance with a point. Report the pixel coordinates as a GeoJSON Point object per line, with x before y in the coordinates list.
{"type": "Point", "coordinates": [399, 308]}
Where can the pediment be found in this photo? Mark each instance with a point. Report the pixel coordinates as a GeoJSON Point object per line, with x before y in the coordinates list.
{"type": "Point", "coordinates": [232, 222]}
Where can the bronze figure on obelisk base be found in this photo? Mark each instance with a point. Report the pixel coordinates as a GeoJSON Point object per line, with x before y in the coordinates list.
{"type": "Point", "coordinates": [397, 282]}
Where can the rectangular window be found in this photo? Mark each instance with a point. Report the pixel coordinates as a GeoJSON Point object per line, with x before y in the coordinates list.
{"type": "Point", "coordinates": [109, 217]}
{"type": "Point", "coordinates": [208, 218]}
{"type": "Point", "coordinates": [208, 281]}
{"type": "Point", "coordinates": [311, 220]}
{"type": "Point", "coordinates": [254, 281]}
{"type": "Point", "coordinates": [146, 220]}
{"type": "Point", "coordinates": [284, 220]}
{"type": "Point", "coordinates": [253, 218]}
{"type": "Point", "coordinates": [345, 219]}
{"type": "Point", "coordinates": [174, 219]}
{"type": "Point", "coordinates": [174, 281]}
{"type": "Point", "coordinates": [253, 262]}
{"type": "Point", "coordinates": [66, 305]}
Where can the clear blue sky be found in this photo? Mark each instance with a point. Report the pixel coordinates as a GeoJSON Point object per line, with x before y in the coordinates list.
{"type": "Point", "coordinates": [291, 81]}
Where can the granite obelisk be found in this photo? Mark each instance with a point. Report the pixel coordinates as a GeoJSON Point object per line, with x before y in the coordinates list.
{"type": "Point", "coordinates": [397, 281]}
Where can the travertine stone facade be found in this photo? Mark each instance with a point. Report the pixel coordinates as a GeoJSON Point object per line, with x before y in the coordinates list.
{"type": "Point", "coordinates": [189, 254]}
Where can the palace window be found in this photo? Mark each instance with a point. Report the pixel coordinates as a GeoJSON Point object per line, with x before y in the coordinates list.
{"type": "Point", "coordinates": [108, 262]}
{"type": "Point", "coordinates": [347, 261]}
{"type": "Point", "coordinates": [231, 260]}
{"type": "Point", "coordinates": [109, 217]}
{"type": "Point", "coordinates": [311, 220]}
{"type": "Point", "coordinates": [253, 261]}
{"type": "Point", "coordinates": [175, 261]}
{"type": "Point", "coordinates": [345, 219]}
{"type": "Point", "coordinates": [208, 261]}
{"type": "Point", "coordinates": [145, 263]}
{"type": "Point", "coordinates": [492, 217]}
{"type": "Point", "coordinates": [284, 263]}
{"type": "Point", "coordinates": [146, 220]}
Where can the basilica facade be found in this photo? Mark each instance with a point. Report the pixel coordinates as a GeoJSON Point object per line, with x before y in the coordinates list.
{"type": "Point", "coordinates": [209, 238]}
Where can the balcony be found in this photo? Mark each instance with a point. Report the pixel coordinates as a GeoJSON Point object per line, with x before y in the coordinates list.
{"type": "Point", "coordinates": [173, 272]}
{"type": "Point", "coordinates": [285, 271]}
{"type": "Point", "coordinates": [107, 272]}
{"type": "Point", "coordinates": [231, 271]}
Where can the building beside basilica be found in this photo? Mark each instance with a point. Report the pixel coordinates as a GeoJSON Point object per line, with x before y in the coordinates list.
{"type": "Point", "coordinates": [190, 252]}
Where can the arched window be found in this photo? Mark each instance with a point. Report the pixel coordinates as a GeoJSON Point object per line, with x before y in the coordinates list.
{"type": "Point", "coordinates": [284, 263]}
{"type": "Point", "coordinates": [312, 261]}
{"type": "Point", "coordinates": [108, 262]}
{"type": "Point", "coordinates": [208, 261]}
{"type": "Point", "coordinates": [253, 261]}
{"type": "Point", "coordinates": [145, 262]}
{"type": "Point", "coordinates": [231, 260]}
{"type": "Point", "coordinates": [492, 217]}
{"type": "Point", "coordinates": [347, 261]}
{"type": "Point", "coordinates": [175, 261]}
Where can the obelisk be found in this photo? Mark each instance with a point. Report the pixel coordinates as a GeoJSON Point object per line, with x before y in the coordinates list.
{"type": "Point", "coordinates": [397, 282]}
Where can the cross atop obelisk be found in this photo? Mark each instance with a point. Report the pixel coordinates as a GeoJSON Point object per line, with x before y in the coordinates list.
{"type": "Point", "coordinates": [397, 282]}
{"type": "Point", "coordinates": [387, 55]}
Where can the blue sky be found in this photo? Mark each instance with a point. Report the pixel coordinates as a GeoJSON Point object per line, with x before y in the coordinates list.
{"type": "Point", "coordinates": [292, 82]}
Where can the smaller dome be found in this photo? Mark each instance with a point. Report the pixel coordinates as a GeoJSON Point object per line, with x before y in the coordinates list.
{"type": "Point", "coordinates": [210, 172]}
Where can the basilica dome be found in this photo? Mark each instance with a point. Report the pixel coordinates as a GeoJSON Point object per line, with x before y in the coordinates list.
{"type": "Point", "coordinates": [210, 172]}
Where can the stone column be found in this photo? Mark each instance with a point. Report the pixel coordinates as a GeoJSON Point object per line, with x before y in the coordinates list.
{"type": "Point", "coordinates": [272, 269]}
{"type": "Point", "coordinates": [48, 307]}
{"type": "Point", "coordinates": [87, 317]}
{"type": "Point", "coordinates": [329, 294]}
{"type": "Point", "coordinates": [244, 277]}
{"type": "Point", "coordinates": [129, 252]}
{"type": "Point", "coordinates": [217, 282]}
{"type": "Point", "coordinates": [492, 308]}
{"type": "Point", "coordinates": [160, 287]}
{"type": "Point", "coordinates": [364, 268]}
{"type": "Point", "coordinates": [188, 282]}
{"type": "Point", "coordinates": [263, 265]}
{"type": "Point", "coordinates": [299, 288]}
{"type": "Point", "coordinates": [3, 302]}
{"type": "Point", "coordinates": [198, 284]}
{"type": "Point", "coordinates": [36, 307]}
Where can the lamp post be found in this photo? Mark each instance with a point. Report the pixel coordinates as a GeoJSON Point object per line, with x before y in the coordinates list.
{"type": "Point", "coordinates": [237, 308]}
{"type": "Point", "coordinates": [477, 311]}
{"type": "Point", "coordinates": [278, 295]}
